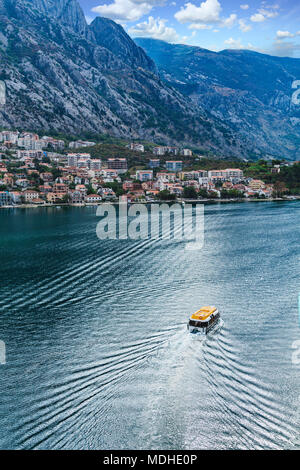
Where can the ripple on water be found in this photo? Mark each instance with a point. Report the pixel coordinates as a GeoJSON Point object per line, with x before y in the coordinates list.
{"type": "Point", "coordinates": [98, 353]}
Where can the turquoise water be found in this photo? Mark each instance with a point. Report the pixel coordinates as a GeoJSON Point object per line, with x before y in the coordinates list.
{"type": "Point", "coordinates": [95, 331]}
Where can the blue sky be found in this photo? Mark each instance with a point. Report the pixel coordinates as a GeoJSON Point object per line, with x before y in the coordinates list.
{"type": "Point", "coordinates": [262, 26]}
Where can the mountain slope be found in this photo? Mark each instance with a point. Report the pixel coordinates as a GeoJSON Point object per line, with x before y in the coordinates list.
{"type": "Point", "coordinates": [112, 36]}
{"type": "Point", "coordinates": [68, 12]}
{"type": "Point", "coordinates": [248, 91]}
{"type": "Point", "coordinates": [64, 75]}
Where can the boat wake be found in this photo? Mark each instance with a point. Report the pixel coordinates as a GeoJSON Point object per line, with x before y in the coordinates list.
{"type": "Point", "coordinates": [232, 409]}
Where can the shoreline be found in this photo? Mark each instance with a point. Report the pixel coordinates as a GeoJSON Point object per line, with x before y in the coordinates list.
{"type": "Point", "coordinates": [185, 201]}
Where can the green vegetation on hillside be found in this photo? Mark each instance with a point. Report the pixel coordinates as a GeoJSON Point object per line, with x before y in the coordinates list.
{"type": "Point", "coordinates": [289, 175]}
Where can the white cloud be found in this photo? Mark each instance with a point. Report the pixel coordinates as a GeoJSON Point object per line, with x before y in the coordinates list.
{"type": "Point", "coordinates": [234, 43]}
{"type": "Point", "coordinates": [268, 11]}
{"type": "Point", "coordinates": [154, 28]}
{"type": "Point", "coordinates": [237, 44]}
{"type": "Point", "coordinates": [208, 12]}
{"type": "Point", "coordinates": [280, 35]}
{"type": "Point", "coordinates": [244, 27]}
{"type": "Point", "coordinates": [244, 7]}
{"type": "Point", "coordinates": [199, 26]}
{"type": "Point", "coordinates": [284, 34]}
{"type": "Point", "coordinates": [125, 10]}
{"type": "Point", "coordinates": [258, 18]}
{"type": "Point", "coordinates": [230, 21]}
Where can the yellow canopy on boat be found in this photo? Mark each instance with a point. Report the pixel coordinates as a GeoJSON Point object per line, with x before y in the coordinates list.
{"type": "Point", "coordinates": [203, 313]}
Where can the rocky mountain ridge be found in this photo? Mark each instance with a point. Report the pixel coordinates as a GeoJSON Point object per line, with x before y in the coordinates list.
{"type": "Point", "coordinates": [248, 91]}
{"type": "Point", "coordinates": [66, 76]}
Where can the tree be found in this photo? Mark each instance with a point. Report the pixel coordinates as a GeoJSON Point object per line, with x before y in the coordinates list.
{"type": "Point", "coordinates": [90, 189]}
{"type": "Point", "coordinates": [190, 192]}
{"type": "Point", "coordinates": [231, 194]}
{"type": "Point", "coordinates": [66, 198]}
{"type": "Point", "coordinates": [56, 173]}
{"type": "Point", "coordinates": [165, 195]}
{"type": "Point", "coordinates": [203, 193]}
{"type": "Point", "coordinates": [116, 187]}
{"type": "Point", "coordinates": [279, 188]}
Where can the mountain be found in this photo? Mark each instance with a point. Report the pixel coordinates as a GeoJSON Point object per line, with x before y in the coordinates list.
{"type": "Point", "coordinates": [248, 91]}
{"type": "Point", "coordinates": [68, 12]}
{"type": "Point", "coordinates": [63, 75]}
{"type": "Point", "coordinates": [112, 36]}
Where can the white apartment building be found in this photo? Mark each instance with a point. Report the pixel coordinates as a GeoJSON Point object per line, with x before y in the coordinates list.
{"type": "Point", "coordinates": [230, 174]}
{"type": "Point", "coordinates": [144, 175]}
{"type": "Point", "coordinates": [234, 173]}
{"type": "Point", "coordinates": [166, 177]}
{"type": "Point", "coordinates": [203, 181]}
{"type": "Point", "coordinates": [163, 150]}
{"type": "Point", "coordinates": [81, 144]}
{"type": "Point", "coordinates": [23, 154]}
{"type": "Point", "coordinates": [73, 158]}
{"type": "Point", "coordinates": [9, 136]}
{"type": "Point", "coordinates": [187, 152]}
{"type": "Point", "coordinates": [137, 147]}
{"type": "Point", "coordinates": [54, 143]}
{"type": "Point", "coordinates": [95, 164]}
{"type": "Point", "coordinates": [30, 142]}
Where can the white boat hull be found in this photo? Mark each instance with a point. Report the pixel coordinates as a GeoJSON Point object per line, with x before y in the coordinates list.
{"type": "Point", "coordinates": [206, 328]}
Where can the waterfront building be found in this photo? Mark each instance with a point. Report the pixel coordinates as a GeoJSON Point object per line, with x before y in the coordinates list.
{"type": "Point", "coordinates": [256, 185]}
{"type": "Point", "coordinates": [16, 197]}
{"type": "Point", "coordinates": [5, 198]}
{"type": "Point", "coordinates": [93, 198]}
{"type": "Point", "coordinates": [30, 195]}
{"type": "Point", "coordinates": [76, 197]}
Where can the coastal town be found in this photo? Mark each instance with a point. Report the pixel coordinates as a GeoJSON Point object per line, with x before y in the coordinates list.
{"type": "Point", "coordinates": [39, 171]}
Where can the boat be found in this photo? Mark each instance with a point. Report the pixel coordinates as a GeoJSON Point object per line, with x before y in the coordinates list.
{"type": "Point", "coordinates": [204, 320]}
